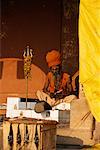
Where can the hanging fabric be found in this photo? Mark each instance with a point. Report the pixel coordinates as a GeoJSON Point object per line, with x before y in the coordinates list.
{"type": "Point", "coordinates": [89, 53]}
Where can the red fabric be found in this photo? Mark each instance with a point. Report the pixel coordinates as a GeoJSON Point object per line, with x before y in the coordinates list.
{"type": "Point", "coordinates": [50, 82]}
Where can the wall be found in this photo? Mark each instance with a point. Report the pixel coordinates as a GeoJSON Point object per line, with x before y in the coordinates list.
{"type": "Point", "coordinates": [69, 36]}
{"type": "Point", "coordinates": [35, 23]}
{"type": "Point", "coordinates": [44, 25]}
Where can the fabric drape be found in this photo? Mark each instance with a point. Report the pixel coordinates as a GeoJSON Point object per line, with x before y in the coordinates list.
{"type": "Point", "coordinates": [89, 53]}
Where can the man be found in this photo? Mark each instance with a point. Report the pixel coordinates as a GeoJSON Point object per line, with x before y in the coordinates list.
{"type": "Point", "coordinates": [57, 86]}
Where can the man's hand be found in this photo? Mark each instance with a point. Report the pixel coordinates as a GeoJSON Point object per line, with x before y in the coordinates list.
{"type": "Point", "coordinates": [52, 95]}
{"type": "Point", "coordinates": [52, 102]}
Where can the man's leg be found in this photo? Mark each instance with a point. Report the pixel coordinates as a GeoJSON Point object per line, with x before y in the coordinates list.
{"type": "Point", "coordinates": [44, 97]}
{"type": "Point", "coordinates": [69, 99]}
{"type": "Point", "coordinates": [44, 103]}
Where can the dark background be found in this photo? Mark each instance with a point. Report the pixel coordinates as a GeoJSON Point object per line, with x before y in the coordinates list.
{"type": "Point", "coordinates": [40, 24]}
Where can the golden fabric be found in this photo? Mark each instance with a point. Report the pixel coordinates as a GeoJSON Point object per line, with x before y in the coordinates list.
{"type": "Point", "coordinates": [89, 47]}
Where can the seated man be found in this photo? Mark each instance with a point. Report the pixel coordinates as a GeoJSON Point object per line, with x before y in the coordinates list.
{"type": "Point", "coordinates": [58, 87]}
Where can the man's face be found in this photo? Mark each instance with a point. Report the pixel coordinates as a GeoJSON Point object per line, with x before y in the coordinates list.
{"type": "Point", "coordinates": [55, 69]}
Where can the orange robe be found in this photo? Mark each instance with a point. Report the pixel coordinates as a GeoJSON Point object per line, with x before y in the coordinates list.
{"type": "Point", "coordinates": [64, 84]}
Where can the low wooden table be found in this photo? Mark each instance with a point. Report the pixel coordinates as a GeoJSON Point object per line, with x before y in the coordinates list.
{"type": "Point", "coordinates": [29, 134]}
